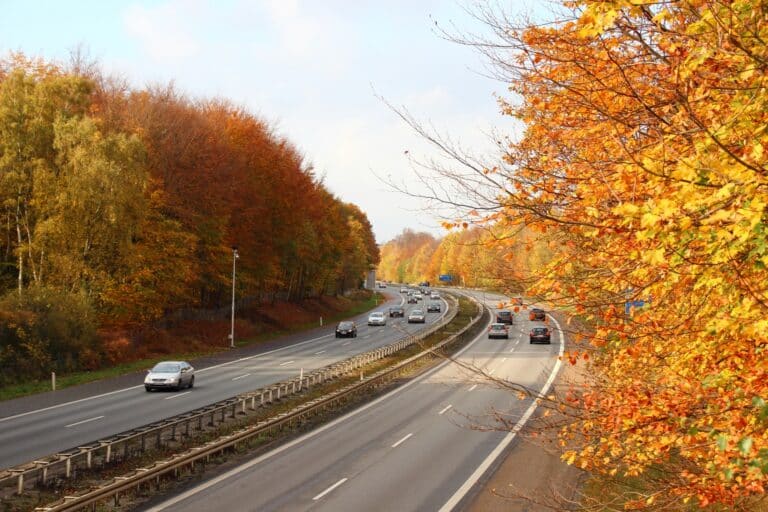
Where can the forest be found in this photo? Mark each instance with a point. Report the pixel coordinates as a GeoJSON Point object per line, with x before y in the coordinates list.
{"type": "Point", "coordinates": [122, 205]}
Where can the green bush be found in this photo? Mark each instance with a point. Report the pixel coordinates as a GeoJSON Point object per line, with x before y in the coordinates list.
{"type": "Point", "coordinates": [46, 330]}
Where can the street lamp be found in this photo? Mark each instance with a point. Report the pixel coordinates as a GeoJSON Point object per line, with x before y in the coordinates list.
{"type": "Point", "coordinates": [235, 255]}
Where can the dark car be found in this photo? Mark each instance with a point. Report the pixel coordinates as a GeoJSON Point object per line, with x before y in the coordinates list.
{"type": "Point", "coordinates": [540, 335]}
{"type": "Point", "coordinates": [504, 316]}
{"type": "Point", "coordinates": [346, 329]}
{"type": "Point", "coordinates": [498, 331]}
{"type": "Point", "coordinates": [433, 307]}
{"type": "Point", "coordinates": [412, 299]}
{"type": "Point", "coordinates": [537, 314]}
{"type": "Point", "coordinates": [396, 311]}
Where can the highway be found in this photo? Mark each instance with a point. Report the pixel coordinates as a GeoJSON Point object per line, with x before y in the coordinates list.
{"type": "Point", "coordinates": [28, 432]}
{"type": "Point", "coordinates": [419, 448]}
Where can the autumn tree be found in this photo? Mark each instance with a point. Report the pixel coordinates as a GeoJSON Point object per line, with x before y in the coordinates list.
{"type": "Point", "coordinates": [642, 166]}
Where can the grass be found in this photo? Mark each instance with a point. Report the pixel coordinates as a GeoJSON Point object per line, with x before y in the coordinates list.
{"type": "Point", "coordinates": [73, 379]}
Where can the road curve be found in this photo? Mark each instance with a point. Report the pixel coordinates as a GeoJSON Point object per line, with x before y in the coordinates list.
{"type": "Point", "coordinates": [417, 448]}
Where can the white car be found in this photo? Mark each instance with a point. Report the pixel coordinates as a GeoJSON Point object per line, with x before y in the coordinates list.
{"type": "Point", "coordinates": [417, 296]}
{"type": "Point", "coordinates": [434, 296]}
{"type": "Point", "coordinates": [377, 318]}
{"type": "Point", "coordinates": [403, 290]}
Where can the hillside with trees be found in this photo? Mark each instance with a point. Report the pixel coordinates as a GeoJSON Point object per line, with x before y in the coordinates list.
{"type": "Point", "coordinates": [121, 206]}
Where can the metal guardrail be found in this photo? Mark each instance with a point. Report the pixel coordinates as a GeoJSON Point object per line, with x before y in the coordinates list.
{"type": "Point", "coordinates": [123, 446]}
{"type": "Point", "coordinates": [177, 462]}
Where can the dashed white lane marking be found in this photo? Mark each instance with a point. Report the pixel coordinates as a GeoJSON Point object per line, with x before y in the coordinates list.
{"type": "Point", "coordinates": [329, 489]}
{"type": "Point", "coordinates": [472, 388]}
{"type": "Point", "coordinates": [84, 421]}
{"type": "Point", "coordinates": [445, 409]}
{"type": "Point", "coordinates": [321, 352]}
{"type": "Point", "coordinates": [242, 376]}
{"type": "Point", "coordinates": [287, 363]}
{"type": "Point", "coordinates": [177, 396]}
{"type": "Point", "coordinates": [401, 441]}
{"type": "Point", "coordinates": [491, 372]}
{"type": "Point", "coordinates": [513, 349]}
{"type": "Point", "coordinates": [345, 344]}
{"type": "Point", "coordinates": [503, 359]}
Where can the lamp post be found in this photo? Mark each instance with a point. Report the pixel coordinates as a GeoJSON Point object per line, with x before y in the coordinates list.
{"type": "Point", "coordinates": [235, 255]}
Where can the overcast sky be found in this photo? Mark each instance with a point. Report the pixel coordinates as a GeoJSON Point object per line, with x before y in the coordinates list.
{"type": "Point", "coordinates": [312, 68]}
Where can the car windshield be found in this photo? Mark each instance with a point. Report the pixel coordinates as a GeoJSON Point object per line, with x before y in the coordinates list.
{"type": "Point", "coordinates": [504, 313]}
{"type": "Point", "coordinates": [345, 325]}
{"type": "Point", "coordinates": [166, 368]}
{"type": "Point", "coordinates": [377, 314]}
{"type": "Point", "coordinates": [498, 327]}
{"type": "Point", "coordinates": [540, 330]}
{"type": "Point", "coordinates": [416, 312]}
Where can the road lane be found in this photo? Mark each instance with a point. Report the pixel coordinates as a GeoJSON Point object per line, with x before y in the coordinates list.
{"type": "Point", "coordinates": [37, 433]}
{"type": "Point", "coordinates": [399, 452]}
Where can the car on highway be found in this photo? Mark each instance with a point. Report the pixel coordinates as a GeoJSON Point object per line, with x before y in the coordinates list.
{"type": "Point", "coordinates": [537, 314]}
{"type": "Point", "coordinates": [498, 331]}
{"type": "Point", "coordinates": [346, 329]}
{"type": "Point", "coordinates": [170, 375]}
{"type": "Point", "coordinates": [412, 299]}
{"type": "Point", "coordinates": [396, 311]}
{"type": "Point", "coordinates": [434, 307]}
{"type": "Point", "coordinates": [540, 335]}
{"type": "Point", "coordinates": [505, 316]}
{"type": "Point", "coordinates": [382, 285]}
{"type": "Point", "coordinates": [403, 290]}
{"type": "Point", "coordinates": [377, 318]}
{"type": "Point", "coordinates": [417, 296]}
{"type": "Point", "coordinates": [434, 295]}
{"type": "Point", "coordinates": [416, 317]}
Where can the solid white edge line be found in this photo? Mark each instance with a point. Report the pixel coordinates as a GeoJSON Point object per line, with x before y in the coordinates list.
{"type": "Point", "coordinates": [473, 479]}
{"type": "Point", "coordinates": [402, 440]}
{"type": "Point", "coordinates": [329, 489]}
{"type": "Point", "coordinates": [84, 421]}
{"type": "Point", "coordinates": [287, 363]}
{"type": "Point", "coordinates": [313, 433]}
{"type": "Point", "coordinates": [321, 352]}
{"type": "Point", "coordinates": [177, 395]}
{"type": "Point", "coordinates": [445, 409]}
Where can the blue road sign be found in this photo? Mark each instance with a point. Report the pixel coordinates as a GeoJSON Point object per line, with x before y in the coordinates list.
{"type": "Point", "coordinates": [445, 277]}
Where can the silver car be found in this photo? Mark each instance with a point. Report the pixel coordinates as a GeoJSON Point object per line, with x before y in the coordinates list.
{"type": "Point", "coordinates": [416, 317]}
{"type": "Point", "coordinates": [170, 375]}
{"type": "Point", "coordinates": [377, 318]}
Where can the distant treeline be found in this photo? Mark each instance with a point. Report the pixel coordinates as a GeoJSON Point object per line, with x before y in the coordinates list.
{"type": "Point", "coordinates": [489, 256]}
{"type": "Point", "coordinates": [120, 205]}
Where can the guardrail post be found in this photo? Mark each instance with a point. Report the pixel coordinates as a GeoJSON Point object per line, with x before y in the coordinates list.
{"type": "Point", "coordinates": [69, 467]}
{"type": "Point", "coordinates": [278, 393]}
{"type": "Point", "coordinates": [108, 455]}
{"type": "Point", "coordinates": [253, 402]}
{"type": "Point", "coordinates": [88, 459]}
{"type": "Point", "coordinates": [20, 484]}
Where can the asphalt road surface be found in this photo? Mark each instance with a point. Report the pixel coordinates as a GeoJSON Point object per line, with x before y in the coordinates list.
{"type": "Point", "coordinates": [30, 429]}
{"type": "Point", "coordinates": [422, 447]}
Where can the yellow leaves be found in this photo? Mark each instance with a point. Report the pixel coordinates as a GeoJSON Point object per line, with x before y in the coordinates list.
{"type": "Point", "coordinates": [654, 256]}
